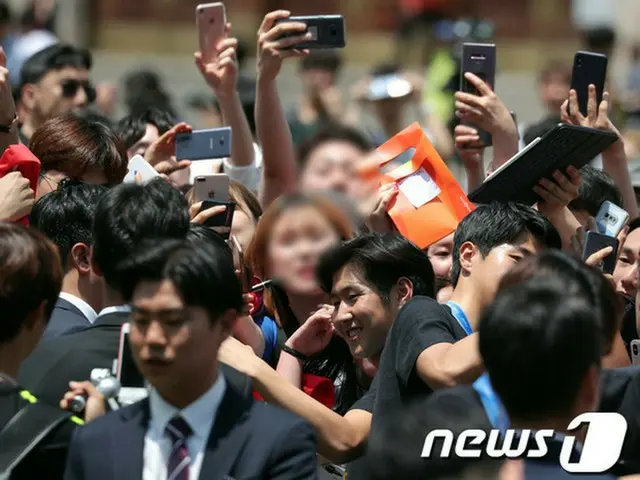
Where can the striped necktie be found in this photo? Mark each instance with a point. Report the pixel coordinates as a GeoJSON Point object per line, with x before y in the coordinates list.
{"type": "Point", "coordinates": [179, 460]}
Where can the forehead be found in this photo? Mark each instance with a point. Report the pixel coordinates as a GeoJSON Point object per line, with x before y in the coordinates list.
{"type": "Point", "coordinates": [346, 277]}
{"type": "Point", "coordinates": [65, 73]}
{"type": "Point", "coordinates": [633, 241]}
{"type": "Point", "coordinates": [334, 150]}
{"type": "Point", "coordinates": [525, 243]}
{"type": "Point", "coordinates": [156, 295]}
{"type": "Point", "coordinates": [446, 242]}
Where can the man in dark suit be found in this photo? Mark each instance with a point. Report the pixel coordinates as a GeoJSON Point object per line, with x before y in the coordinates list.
{"type": "Point", "coordinates": [124, 217]}
{"type": "Point", "coordinates": [194, 424]}
{"type": "Point", "coordinates": [65, 216]}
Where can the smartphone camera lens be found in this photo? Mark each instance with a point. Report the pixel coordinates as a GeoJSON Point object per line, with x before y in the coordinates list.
{"type": "Point", "coordinates": [635, 349]}
{"type": "Point", "coordinates": [333, 30]}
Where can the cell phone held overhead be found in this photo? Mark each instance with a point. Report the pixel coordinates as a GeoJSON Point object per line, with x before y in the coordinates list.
{"type": "Point", "coordinates": [588, 69]}
{"type": "Point", "coordinates": [327, 31]}
{"type": "Point", "coordinates": [611, 219]}
{"type": "Point", "coordinates": [479, 59]}
{"type": "Point", "coordinates": [211, 21]}
{"type": "Point", "coordinates": [204, 144]}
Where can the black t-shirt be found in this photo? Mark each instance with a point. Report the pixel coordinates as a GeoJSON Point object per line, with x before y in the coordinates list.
{"type": "Point", "coordinates": [48, 459]}
{"type": "Point", "coordinates": [420, 324]}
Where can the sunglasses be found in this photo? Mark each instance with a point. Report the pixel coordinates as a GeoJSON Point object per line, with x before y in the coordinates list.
{"type": "Point", "coordinates": [70, 89]}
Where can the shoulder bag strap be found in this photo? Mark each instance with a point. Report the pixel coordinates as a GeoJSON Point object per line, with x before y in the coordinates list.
{"type": "Point", "coordinates": [24, 431]}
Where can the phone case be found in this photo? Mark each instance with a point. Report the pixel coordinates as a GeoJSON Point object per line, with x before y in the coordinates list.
{"type": "Point", "coordinates": [635, 352]}
{"type": "Point", "coordinates": [588, 69]}
{"type": "Point", "coordinates": [479, 59]}
{"type": "Point", "coordinates": [212, 188]}
{"type": "Point", "coordinates": [327, 31]}
{"type": "Point", "coordinates": [204, 144]}
{"type": "Point", "coordinates": [211, 20]}
{"type": "Point", "coordinates": [611, 219]}
{"type": "Point", "coordinates": [594, 242]}
{"type": "Point", "coordinates": [140, 170]}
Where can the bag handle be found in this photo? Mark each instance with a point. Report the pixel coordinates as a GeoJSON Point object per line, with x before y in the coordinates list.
{"type": "Point", "coordinates": [25, 431]}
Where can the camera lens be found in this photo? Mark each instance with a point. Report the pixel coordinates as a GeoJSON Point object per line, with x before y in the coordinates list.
{"type": "Point", "coordinates": [635, 349]}
{"type": "Point", "coordinates": [333, 31]}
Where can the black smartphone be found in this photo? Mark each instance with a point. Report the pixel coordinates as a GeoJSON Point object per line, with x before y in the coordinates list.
{"type": "Point", "coordinates": [327, 31]}
{"type": "Point", "coordinates": [479, 59]}
{"type": "Point", "coordinates": [594, 242]}
{"type": "Point", "coordinates": [588, 69]}
{"type": "Point", "coordinates": [222, 219]}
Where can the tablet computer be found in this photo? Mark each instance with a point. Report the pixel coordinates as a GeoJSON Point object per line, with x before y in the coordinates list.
{"type": "Point", "coordinates": [563, 146]}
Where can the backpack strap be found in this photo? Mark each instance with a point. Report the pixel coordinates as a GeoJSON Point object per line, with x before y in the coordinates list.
{"type": "Point", "coordinates": [25, 431]}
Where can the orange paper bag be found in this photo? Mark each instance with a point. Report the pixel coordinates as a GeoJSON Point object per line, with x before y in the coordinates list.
{"type": "Point", "coordinates": [430, 202]}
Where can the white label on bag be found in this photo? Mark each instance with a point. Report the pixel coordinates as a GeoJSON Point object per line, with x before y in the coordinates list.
{"type": "Point", "coordinates": [419, 188]}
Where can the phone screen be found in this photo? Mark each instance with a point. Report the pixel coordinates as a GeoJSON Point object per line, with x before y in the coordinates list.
{"type": "Point", "coordinates": [130, 376]}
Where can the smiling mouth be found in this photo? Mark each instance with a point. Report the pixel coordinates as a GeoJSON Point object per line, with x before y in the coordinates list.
{"type": "Point", "coordinates": [353, 333]}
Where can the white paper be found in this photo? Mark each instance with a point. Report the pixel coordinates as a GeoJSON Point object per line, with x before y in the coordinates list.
{"type": "Point", "coordinates": [419, 188]}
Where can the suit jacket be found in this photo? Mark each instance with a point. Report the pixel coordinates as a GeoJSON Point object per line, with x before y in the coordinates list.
{"type": "Point", "coordinates": [55, 362]}
{"type": "Point", "coordinates": [248, 440]}
{"type": "Point", "coordinates": [65, 318]}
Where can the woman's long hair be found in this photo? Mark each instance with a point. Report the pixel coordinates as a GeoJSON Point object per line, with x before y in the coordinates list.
{"type": "Point", "coordinates": [335, 361]}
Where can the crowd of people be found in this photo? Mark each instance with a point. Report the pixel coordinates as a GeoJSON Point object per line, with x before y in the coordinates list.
{"type": "Point", "coordinates": [350, 343]}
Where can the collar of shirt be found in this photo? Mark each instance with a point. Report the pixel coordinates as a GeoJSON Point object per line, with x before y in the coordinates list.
{"type": "Point", "coordinates": [200, 415]}
{"type": "Point", "coordinates": [86, 309]}
{"type": "Point", "coordinates": [114, 309]}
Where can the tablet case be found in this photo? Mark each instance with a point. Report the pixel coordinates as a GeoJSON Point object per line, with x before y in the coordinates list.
{"type": "Point", "coordinates": [563, 146]}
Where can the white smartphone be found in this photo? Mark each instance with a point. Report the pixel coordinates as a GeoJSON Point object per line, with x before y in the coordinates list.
{"type": "Point", "coordinates": [127, 371]}
{"type": "Point", "coordinates": [211, 20]}
{"type": "Point", "coordinates": [635, 352]}
{"type": "Point", "coordinates": [140, 171]}
{"type": "Point", "coordinates": [212, 187]}
{"type": "Point", "coordinates": [611, 219]}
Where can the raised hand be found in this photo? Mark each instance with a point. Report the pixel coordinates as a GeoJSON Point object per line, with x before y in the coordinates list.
{"type": "Point", "coordinates": [468, 146]}
{"type": "Point", "coordinates": [161, 154]}
{"type": "Point", "coordinates": [273, 41]}
{"type": "Point", "coordinates": [221, 73]}
{"type": "Point", "coordinates": [314, 334]}
{"type": "Point", "coordinates": [558, 194]}
{"type": "Point", "coordinates": [16, 197]}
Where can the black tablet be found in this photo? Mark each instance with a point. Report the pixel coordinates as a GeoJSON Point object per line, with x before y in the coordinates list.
{"type": "Point", "coordinates": [563, 146]}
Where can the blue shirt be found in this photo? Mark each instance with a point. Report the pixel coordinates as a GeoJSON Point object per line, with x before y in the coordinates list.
{"type": "Point", "coordinates": [270, 332]}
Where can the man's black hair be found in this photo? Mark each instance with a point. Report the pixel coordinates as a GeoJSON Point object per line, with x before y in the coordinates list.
{"type": "Point", "coordinates": [396, 450]}
{"type": "Point", "coordinates": [5, 14]}
{"type": "Point", "coordinates": [537, 344]}
{"type": "Point", "coordinates": [133, 127]}
{"type": "Point", "coordinates": [325, 60]}
{"type": "Point", "coordinates": [495, 224]}
{"type": "Point", "coordinates": [202, 273]}
{"type": "Point", "coordinates": [600, 40]}
{"type": "Point", "coordinates": [143, 89]}
{"type": "Point", "coordinates": [55, 57]}
{"type": "Point", "coordinates": [333, 133]}
{"type": "Point", "coordinates": [130, 214]}
{"type": "Point", "coordinates": [66, 215]}
{"type": "Point", "coordinates": [200, 233]}
{"type": "Point", "coordinates": [540, 129]}
{"type": "Point", "coordinates": [596, 187]}
{"type": "Point", "coordinates": [380, 260]}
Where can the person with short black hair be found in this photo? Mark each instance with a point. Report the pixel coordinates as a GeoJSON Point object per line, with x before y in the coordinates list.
{"type": "Point", "coordinates": [329, 160]}
{"type": "Point", "coordinates": [53, 82]}
{"type": "Point", "coordinates": [596, 187]}
{"type": "Point", "coordinates": [139, 130]}
{"type": "Point", "coordinates": [177, 327]}
{"type": "Point", "coordinates": [558, 378]}
{"type": "Point", "coordinates": [66, 217]}
{"type": "Point", "coordinates": [29, 287]}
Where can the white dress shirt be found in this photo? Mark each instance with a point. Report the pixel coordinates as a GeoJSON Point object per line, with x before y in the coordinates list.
{"type": "Point", "coordinates": [200, 416]}
{"type": "Point", "coordinates": [86, 309]}
{"type": "Point", "coordinates": [114, 309]}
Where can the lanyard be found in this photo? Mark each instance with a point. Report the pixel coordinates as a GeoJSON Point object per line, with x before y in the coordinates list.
{"type": "Point", "coordinates": [490, 401]}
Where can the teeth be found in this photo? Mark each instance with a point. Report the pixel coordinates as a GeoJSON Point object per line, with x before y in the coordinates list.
{"type": "Point", "coordinates": [353, 332]}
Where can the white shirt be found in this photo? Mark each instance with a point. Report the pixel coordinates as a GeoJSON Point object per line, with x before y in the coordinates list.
{"type": "Point", "coordinates": [114, 309]}
{"type": "Point", "coordinates": [86, 309]}
{"type": "Point", "coordinates": [248, 175]}
{"type": "Point", "coordinates": [200, 416]}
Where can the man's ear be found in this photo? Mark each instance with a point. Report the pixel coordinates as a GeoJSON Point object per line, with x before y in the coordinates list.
{"type": "Point", "coordinates": [81, 258]}
{"type": "Point", "coordinates": [28, 96]}
{"type": "Point", "coordinates": [467, 252]}
{"type": "Point", "coordinates": [404, 290]}
{"type": "Point", "coordinates": [94, 266]}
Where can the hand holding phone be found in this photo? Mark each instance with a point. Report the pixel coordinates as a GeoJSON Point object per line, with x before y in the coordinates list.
{"type": "Point", "coordinates": [324, 32]}
{"type": "Point", "coordinates": [588, 69]}
{"type": "Point", "coordinates": [611, 219]}
{"type": "Point", "coordinates": [214, 187]}
{"type": "Point", "coordinates": [600, 251]}
{"type": "Point", "coordinates": [204, 144]}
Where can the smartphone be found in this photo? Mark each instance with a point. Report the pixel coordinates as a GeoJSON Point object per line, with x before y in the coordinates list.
{"type": "Point", "coordinates": [479, 59]}
{"type": "Point", "coordinates": [211, 20]}
{"type": "Point", "coordinates": [611, 219]}
{"type": "Point", "coordinates": [214, 187]}
{"type": "Point", "coordinates": [140, 170]}
{"type": "Point", "coordinates": [127, 371]}
{"type": "Point", "coordinates": [223, 219]}
{"type": "Point", "coordinates": [245, 273]}
{"type": "Point", "coordinates": [594, 242]}
{"type": "Point", "coordinates": [588, 69]}
{"type": "Point", "coordinates": [635, 352]}
{"type": "Point", "coordinates": [204, 144]}
{"type": "Point", "coordinates": [327, 31]}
